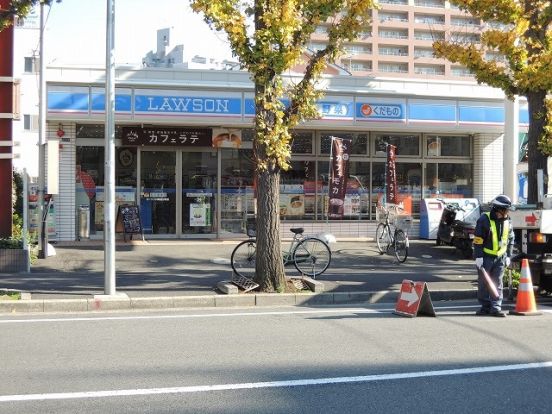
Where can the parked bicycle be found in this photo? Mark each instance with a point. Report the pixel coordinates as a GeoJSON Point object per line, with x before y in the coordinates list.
{"type": "Point", "coordinates": [389, 235]}
{"type": "Point", "coordinates": [310, 255]}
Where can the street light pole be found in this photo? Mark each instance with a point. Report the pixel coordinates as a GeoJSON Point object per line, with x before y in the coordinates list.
{"type": "Point", "coordinates": [42, 213]}
{"type": "Point", "coordinates": [109, 190]}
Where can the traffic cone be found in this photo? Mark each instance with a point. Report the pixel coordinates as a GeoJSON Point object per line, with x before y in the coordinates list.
{"type": "Point", "coordinates": [525, 302]}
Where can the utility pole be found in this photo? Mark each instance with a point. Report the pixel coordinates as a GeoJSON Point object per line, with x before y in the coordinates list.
{"type": "Point", "coordinates": [109, 199]}
{"type": "Point", "coordinates": [42, 213]}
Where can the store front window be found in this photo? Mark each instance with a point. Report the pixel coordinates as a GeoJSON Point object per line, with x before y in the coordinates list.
{"type": "Point", "coordinates": [298, 191]}
{"type": "Point", "coordinates": [407, 145]}
{"type": "Point", "coordinates": [199, 189]}
{"type": "Point", "coordinates": [237, 192]}
{"type": "Point", "coordinates": [357, 196]}
{"type": "Point", "coordinates": [448, 146]}
{"type": "Point", "coordinates": [359, 142]}
{"type": "Point", "coordinates": [89, 181]}
{"type": "Point", "coordinates": [448, 180]}
{"type": "Point", "coordinates": [409, 179]}
{"type": "Point", "coordinates": [158, 192]}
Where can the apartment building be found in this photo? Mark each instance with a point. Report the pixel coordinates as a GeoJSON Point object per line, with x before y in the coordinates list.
{"type": "Point", "coordinates": [398, 42]}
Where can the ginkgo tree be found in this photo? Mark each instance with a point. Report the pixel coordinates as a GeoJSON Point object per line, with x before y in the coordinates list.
{"type": "Point", "coordinates": [270, 37]}
{"type": "Point", "coordinates": [19, 8]}
{"type": "Point", "coordinates": [520, 31]}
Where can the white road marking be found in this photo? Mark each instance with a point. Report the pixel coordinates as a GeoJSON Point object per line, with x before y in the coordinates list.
{"type": "Point", "coordinates": [217, 315]}
{"type": "Point", "coordinates": [271, 384]}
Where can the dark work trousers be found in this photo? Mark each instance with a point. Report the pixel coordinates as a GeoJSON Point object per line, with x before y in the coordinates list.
{"type": "Point", "coordinates": [495, 267]}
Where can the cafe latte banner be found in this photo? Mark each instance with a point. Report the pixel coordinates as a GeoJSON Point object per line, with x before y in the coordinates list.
{"type": "Point", "coordinates": [391, 175]}
{"type": "Point", "coordinates": [339, 171]}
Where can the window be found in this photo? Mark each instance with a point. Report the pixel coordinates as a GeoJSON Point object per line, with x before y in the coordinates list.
{"type": "Point", "coordinates": [429, 70]}
{"type": "Point", "coordinates": [31, 64]}
{"type": "Point", "coordinates": [448, 146]}
{"type": "Point", "coordinates": [389, 16]}
{"type": "Point", "coordinates": [393, 67]}
{"type": "Point", "coordinates": [30, 122]}
{"type": "Point", "coordinates": [429, 18]}
{"type": "Point", "coordinates": [460, 71]}
{"type": "Point", "coordinates": [393, 50]}
{"type": "Point", "coordinates": [96, 131]}
{"type": "Point", "coordinates": [406, 144]}
{"type": "Point", "coordinates": [393, 34]}
{"type": "Point", "coordinates": [360, 142]}
{"type": "Point", "coordinates": [431, 35]}
{"type": "Point", "coordinates": [302, 143]}
{"type": "Point", "coordinates": [448, 180]}
{"type": "Point", "coordinates": [423, 53]}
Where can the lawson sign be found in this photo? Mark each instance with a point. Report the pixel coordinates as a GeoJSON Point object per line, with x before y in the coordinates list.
{"type": "Point", "coordinates": [196, 105]}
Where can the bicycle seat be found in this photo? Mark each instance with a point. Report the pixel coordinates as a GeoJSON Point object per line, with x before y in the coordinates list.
{"type": "Point", "coordinates": [298, 230]}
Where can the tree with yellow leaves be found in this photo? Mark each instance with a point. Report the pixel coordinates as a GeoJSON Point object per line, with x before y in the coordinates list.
{"type": "Point", "coordinates": [20, 9]}
{"type": "Point", "coordinates": [270, 37]}
{"type": "Point", "coordinates": [520, 31]}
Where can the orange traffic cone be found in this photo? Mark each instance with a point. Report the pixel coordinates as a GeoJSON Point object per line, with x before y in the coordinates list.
{"type": "Point", "coordinates": [525, 302]}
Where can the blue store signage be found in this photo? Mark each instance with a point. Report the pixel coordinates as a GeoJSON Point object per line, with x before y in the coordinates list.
{"type": "Point", "coordinates": [379, 111]}
{"type": "Point", "coordinates": [196, 105]}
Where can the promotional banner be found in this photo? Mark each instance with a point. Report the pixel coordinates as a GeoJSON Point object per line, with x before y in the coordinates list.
{"type": "Point", "coordinates": [391, 175]}
{"type": "Point", "coordinates": [339, 166]}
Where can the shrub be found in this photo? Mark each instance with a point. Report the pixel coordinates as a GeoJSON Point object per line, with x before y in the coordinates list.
{"type": "Point", "coordinates": [515, 277]}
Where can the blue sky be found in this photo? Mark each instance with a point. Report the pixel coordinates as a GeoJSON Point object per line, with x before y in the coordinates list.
{"type": "Point", "coordinates": [76, 31]}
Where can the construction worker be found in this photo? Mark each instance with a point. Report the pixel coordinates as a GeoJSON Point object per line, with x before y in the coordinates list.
{"type": "Point", "coordinates": [492, 249]}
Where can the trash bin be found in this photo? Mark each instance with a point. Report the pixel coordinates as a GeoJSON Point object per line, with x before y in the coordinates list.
{"type": "Point", "coordinates": [84, 222]}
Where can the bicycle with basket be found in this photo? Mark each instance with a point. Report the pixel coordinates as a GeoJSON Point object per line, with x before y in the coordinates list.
{"type": "Point", "coordinates": [392, 230]}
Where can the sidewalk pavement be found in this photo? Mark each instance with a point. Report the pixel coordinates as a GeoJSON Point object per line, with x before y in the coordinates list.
{"type": "Point", "coordinates": [176, 274]}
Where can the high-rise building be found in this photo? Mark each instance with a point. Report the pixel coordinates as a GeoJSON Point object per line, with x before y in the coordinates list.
{"type": "Point", "coordinates": [398, 42]}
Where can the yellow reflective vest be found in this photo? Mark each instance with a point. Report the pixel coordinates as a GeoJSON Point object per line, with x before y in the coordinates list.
{"type": "Point", "coordinates": [498, 249]}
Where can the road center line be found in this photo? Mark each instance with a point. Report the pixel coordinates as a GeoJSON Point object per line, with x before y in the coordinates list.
{"type": "Point", "coordinates": [271, 384]}
{"type": "Point", "coordinates": [216, 315]}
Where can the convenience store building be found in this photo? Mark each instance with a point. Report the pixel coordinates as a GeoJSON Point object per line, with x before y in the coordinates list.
{"type": "Point", "coordinates": [184, 143]}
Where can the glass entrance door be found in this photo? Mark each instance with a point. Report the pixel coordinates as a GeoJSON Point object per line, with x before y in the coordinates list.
{"type": "Point", "coordinates": [199, 188]}
{"type": "Point", "coordinates": [158, 192]}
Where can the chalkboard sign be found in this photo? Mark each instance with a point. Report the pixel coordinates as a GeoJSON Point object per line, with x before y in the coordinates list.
{"type": "Point", "coordinates": [128, 220]}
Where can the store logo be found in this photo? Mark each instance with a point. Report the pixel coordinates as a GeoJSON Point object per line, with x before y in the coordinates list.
{"type": "Point", "coordinates": [380, 111]}
{"type": "Point", "coordinates": [366, 110]}
{"type": "Point", "coordinates": [172, 104]}
{"type": "Point", "coordinates": [132, 137]}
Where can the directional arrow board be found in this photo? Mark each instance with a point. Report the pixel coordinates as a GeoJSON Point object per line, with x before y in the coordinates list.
{"type": "Point", "coordinates": [414, 300]}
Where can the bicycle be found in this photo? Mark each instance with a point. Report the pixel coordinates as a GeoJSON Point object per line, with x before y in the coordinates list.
{"type": "Point", "coordinates": [386, 237]}
{"type": "Point", "coordinates": [310, 255]}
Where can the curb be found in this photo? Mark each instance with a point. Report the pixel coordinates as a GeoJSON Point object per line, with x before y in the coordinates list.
{"type": "Point", "coordinates": [218, 301]}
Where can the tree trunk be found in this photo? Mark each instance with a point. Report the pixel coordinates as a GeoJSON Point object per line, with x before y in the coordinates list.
{"type": "Point", "coordinates": [536, 159]}
{"type": "Point", "coordinates": [270, 273]}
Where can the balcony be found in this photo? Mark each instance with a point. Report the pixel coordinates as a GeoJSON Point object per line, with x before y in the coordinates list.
{"type": "Point", "coordinates": [427, 3]}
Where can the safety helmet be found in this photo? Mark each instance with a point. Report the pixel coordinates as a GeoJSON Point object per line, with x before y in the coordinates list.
{"type": "Point", "coordinates": [502, 202]}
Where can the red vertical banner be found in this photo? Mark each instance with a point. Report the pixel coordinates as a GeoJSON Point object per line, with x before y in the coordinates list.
{"type": "Point", "coordinates": [6, 116]}
{"type": "Point", "coordinates": [391, 175]}
{"type": "Point", "coordinates": [339, 171]}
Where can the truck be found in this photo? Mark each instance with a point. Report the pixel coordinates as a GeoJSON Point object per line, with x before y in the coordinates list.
{"type": "Point", "coordinates": [533, 230]}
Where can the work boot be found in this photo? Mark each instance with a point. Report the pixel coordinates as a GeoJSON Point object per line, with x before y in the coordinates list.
{"type": "Point", "coordinates": [497, 313]}
{"type": "Point", "coordinates": [483, 312]}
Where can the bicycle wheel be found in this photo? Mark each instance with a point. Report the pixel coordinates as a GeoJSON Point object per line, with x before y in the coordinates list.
{"type": "Point", "coordinates": [243, 259]}
{"type": "Point", "coordinates": [383, 238]}
{"type": "Point", "coordinates": [400, 246]}
{"type": "Point", "coordinates": [312, 257]}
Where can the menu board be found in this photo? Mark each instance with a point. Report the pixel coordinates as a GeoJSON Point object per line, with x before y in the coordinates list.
{"type": "Point", "coordinates": [128, 220]}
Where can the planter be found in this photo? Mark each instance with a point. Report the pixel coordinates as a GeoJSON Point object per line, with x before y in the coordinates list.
{"type": "Point", "coordinates": [13, 260]}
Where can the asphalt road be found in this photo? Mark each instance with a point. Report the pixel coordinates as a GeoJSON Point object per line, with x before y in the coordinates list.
{"type": "Point", "coordinates": [281, 360]}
